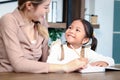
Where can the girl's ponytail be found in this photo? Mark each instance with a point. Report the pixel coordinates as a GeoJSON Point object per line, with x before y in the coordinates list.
{"type": "Point", "coordinates": [89, 33]}
{"type": "Point", "coordinates": [94, 43]}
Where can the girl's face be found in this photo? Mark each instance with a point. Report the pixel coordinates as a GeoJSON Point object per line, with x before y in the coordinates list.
{"type": "Point", "coordinates": [75, 34]}
{"type": "Point", "coordinates": [40, 11]}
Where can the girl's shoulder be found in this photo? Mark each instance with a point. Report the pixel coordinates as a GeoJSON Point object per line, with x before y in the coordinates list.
{"type": "Point", "coordinates": [58, 42]}
{"type": "Point", "coordinates": [88, 49]}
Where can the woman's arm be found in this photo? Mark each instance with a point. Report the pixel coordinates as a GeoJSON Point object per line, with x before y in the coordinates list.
{"type": "Point", "coordinates": [68, 67]}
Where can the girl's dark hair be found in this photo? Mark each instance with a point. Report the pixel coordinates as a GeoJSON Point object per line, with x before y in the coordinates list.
{"type": "Point", "coordinates": [89, 33]}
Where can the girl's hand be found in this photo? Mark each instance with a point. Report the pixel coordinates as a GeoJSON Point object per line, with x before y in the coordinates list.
{"type": "Point", "coordinates": [74, 65]}
{"type": "Point", "coordinates": [99, 63]}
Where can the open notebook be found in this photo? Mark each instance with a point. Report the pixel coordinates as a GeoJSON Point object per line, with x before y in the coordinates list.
{"type": "Point", "coordinates": [91, 69]}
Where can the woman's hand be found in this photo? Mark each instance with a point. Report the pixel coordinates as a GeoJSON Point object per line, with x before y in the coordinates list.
{"type": "Point", "coordinates": [75, 65]}
{"type": "Point", "coordinates": [99, 63]}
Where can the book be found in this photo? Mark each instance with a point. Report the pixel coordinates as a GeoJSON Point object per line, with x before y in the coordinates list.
{"type": "Point", "coordinates": [93, 69]}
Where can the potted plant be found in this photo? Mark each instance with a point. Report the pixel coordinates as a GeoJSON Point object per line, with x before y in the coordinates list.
{"type": "Point", "coordinates": [55, 33]}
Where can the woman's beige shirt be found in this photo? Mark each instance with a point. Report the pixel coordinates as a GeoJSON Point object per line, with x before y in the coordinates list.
{"type": "Point", "coordinates": [16, 51]}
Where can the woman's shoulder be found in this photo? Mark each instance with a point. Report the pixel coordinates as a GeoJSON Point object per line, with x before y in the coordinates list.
{"type": "Point", "coordinates": [89, 50]}
{"type": "Point", "coordinates": [7, 19]}
{"type": "Point", "coordinates": [8, 22]}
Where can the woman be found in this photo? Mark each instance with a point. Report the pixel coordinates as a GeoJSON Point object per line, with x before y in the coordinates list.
{"type": "Point", "coordinates": [24, 40]}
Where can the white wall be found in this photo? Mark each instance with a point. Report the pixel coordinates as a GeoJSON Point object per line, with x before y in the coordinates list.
{"type": "Point", "coordinates": [7, 7]}
{"type": "Point", "coordinates": [104, 10]}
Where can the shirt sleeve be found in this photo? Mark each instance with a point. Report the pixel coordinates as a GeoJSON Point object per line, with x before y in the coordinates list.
{"type": "Point", "coordinates": [94, 56]}
{"type": "Point", "coordinates": [9, 27]}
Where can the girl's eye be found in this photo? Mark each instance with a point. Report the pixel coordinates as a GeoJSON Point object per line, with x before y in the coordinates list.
{"type": "Point", "coordinates": [69, 27]}
{"type": "Point", "coordinates": [46, 7]}
{"type": "Point", "coordinates": [78, 30]}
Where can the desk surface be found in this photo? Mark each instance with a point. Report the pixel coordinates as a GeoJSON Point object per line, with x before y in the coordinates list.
{"type": "Point", "coordinates": [109, 75]}
{"type": "Point", "coordinates": [112, 75]}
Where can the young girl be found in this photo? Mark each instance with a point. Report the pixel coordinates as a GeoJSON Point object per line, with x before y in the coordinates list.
{"type": "Point", "coordinates": [80, 42]}
{"type": "Point", "coordinates": [24, 40]}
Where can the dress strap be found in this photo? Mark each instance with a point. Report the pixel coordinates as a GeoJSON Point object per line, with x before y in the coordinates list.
{"type": "Point", "coordinates": [62, 53]}
{"type": "Point", "coordinates": [82, 55]}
